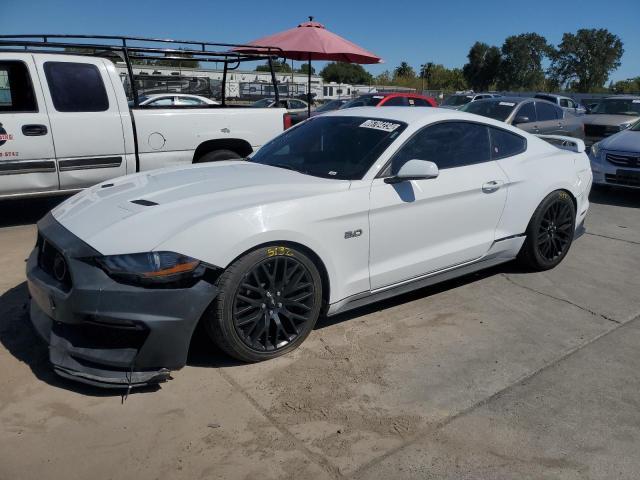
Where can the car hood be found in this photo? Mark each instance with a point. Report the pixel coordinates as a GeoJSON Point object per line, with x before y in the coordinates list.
{"type": "Point", "coordinates": [603, 119]}
{"type": "Point", "coordinates": [625, 141]}
{"type": "Point", "coordinates": [139, 212]}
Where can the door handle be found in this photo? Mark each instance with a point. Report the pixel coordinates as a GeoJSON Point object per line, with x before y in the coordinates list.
{"type": "Point", "coordinates": [492, 186]}
{"type": "Point", "coordinates": [34, 130]}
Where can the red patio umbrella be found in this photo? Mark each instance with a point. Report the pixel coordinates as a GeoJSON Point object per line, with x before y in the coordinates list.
{"type": "Point", "coordinates": [312, 41]}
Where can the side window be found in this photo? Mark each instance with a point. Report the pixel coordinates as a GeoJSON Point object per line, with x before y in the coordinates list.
{"type": "Point", "coordinates": [188, 101]}
{"type": "Point", "coordinates": [16, 89]}
{"type": "Point", "coordinates": [421, 102]}
{"type": "Point", "coordinates": [527, 110]}
{"type": "Point", "coordinates": [76, 87]}
{"type": "Point", "coordinates": [571, 104]}
{"type": "Point", "coordinates": [505, 144]}
{"type": "Point", "coordinates": [447, 144]}
{"type": "Point", "coordinates": [395, 102]}
{"type": "Point", "coordinates": [564, 102]}
{"type": "Point", "coordinates": [162, 102]}
{"type": "Point", "coordinates": [546, 112]}
{"type": "Point", "coordinates": [559, 112]}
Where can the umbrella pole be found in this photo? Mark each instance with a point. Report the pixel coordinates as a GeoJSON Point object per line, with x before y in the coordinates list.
{"type": "Point", "coordinates": [309, 87]}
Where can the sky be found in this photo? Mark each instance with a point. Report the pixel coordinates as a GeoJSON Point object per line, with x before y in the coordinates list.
{"type": "Point", "coordinates": [415, 31]}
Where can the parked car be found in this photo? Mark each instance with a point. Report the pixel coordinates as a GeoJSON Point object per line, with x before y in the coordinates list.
{"type": "Point", "coordinates": [348, 208]}
{"type": "Point", "coordinates": [611, 115]}
{"type": "Point", "coordinates": [293, 105]}
{"type": "Point", "coordinates": [457, 101]}
{"type": "Point", "coordinates": [176, 99]}
{"type": "Point", "coordinates": [615, 160]}
{"type": "Point", "coordinates": [533, 115]}
{"type": "Point", "coordinates": [78, 104]}
{"type": "Point", "coordinates": [566, 103]}
{"type": "Point", "coordinates": [391, 100]}
{"type": "Point", "coordinates": [329, 106]}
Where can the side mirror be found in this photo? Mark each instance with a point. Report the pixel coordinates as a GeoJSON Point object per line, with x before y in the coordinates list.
{"type": "Point", "coordinates": [520, 119]}
{"type": "Point", "coordinates": [415, 170]}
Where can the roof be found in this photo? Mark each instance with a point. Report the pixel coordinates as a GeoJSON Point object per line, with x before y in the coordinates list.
{"type": "Point", "coordinates": [623, 97]}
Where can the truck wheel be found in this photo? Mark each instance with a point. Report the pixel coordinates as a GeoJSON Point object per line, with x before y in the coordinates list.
{"type": "Point", "coordinates": [218, 155]}
{"type": "Point", "coordinates": [550, 232]}
{"type": "Point", "coordinates": [268, 302]}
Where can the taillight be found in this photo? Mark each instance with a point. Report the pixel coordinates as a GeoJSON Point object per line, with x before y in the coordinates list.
{"type": "Point", "coordinates": [286, 120]}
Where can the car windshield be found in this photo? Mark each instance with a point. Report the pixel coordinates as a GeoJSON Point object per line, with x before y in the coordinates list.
{"type": "Point", "coordinates": [364, 101]}
{"type": "Point", "coordinates": [496, 109]}
{"type": "Point", "coordinates": [265, 102]}
{"type": "Point", "coordinates": [332, 105]}
{"type": "Point", "coordinates": [337, 147]}
{"type": "Point", "coordinates": [618, 106]}
{"type": "Point", "coordinates": [457, 100]}
{"type": "Point", "coordinates": [635, 127]}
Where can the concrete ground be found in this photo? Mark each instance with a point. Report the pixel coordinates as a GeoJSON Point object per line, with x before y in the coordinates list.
{"type": "Point", "coordinates": [499, 375]}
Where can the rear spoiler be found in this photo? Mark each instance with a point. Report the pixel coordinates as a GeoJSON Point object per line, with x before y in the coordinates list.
{"type": "Point", "coordinates": [565, 143]}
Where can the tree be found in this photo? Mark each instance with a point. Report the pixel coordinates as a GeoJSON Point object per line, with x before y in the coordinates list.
{"type": "Point", "coordinates": [304, 68]}
{"type": "Point", "coordinates": [584, 60]}
{"type": "Point", "coordinates": [383, 79]}
{"type": "Point", "coordinates": [443, 78]}
{"type": "Point", "coordinates": [345, 73]}
{"type": "Point", "coordinates": [630, 85]}
{"type": "Point", "coordinates": [280, 66]}
{"type": "Point", "coordinates": [521, 63]}
{"type": "Point", "coordinates": [404, 70]}
{"type": "Point", "coordinates": [482, 69]}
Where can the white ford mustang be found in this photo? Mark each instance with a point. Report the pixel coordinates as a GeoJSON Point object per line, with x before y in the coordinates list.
{"type": "Point", "coordinates": [345, 209]}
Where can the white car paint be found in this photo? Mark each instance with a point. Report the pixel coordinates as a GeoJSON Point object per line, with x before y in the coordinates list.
{"type": "Point", "coordinates": [216, 212]}
{"type": "Point", "coordinates": [35, 165]}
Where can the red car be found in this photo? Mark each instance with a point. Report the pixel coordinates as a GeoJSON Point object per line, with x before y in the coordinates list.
{"type": "Point", "coordinates": [391, 100]}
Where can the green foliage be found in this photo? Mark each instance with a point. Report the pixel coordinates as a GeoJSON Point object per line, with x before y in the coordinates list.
{"type": "Point", "coordinates": [304, 68]}
{"type": "Point", "coordinates": [443, 78]}
{"type": "Point", "coordinates": [384, 78]}
{"type": "Point", "coordinates": [404, 71]}
{"type": "Point", "coordinates": [345, 73]}
{"type": "Point", "coordinates": [583, 61]}
{"type": "Point", "coordinates": [521, 62]}
{"type": "Point", "coordinates": [482, 69]}
{"type": "Point", "coordinates": [279, 66]}
{"type": "Point", "coordinates": [630, 85]}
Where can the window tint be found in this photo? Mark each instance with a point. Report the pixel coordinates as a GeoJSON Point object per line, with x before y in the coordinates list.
{"type": "Point", "coordinates": [546, 112]}
{"type": "Point", "coordinates": [421, 102]}
{"type": "Point", "coordinates": [505, 144]}
{"type": "Point", "coordinates": [564, 102]}
{"type": "Point", "coordinates": [395, 102]}
{"type": "Point", "coordinates": [16, 90]}
{"type": "Point", "coordinates": [448, 145]}
{"type": "Point", "coordinates": [527, 110]}
{"type": "Point", "coordinates": [161, 102]}
{"type": "Point", "coordinates": [76, 87]}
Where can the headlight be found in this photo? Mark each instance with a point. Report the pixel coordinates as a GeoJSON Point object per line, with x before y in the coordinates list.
{"type": "Point", "coordinates": [595, 150]}
{"type": "Point", "coordinates": [151, 267]}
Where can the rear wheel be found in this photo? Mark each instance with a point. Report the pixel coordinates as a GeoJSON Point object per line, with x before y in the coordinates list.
{"type": "Point", "coordinates": [550, 232]}
{"type": "Point", "coordinates": [218, 155]}
{"type": "Point", "coordinates": [269, 301]}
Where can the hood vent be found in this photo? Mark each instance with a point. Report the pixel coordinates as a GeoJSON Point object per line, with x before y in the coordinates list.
{"type": "Point", "coordinates": [143, 202]}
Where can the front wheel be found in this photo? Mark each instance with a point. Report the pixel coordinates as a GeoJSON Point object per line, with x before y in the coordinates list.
{"type": "Point", "coordinates": [550, 232]}
{"type": "Point", "coordinates": [268, 303]}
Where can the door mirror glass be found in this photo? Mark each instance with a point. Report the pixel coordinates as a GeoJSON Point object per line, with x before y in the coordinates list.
{"type": "Point", "coordinates": [414, 170]}
{"type": "Point", "coordinates": [521, 119]}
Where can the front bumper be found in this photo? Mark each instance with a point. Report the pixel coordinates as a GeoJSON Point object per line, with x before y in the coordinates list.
{"type": "Point", "coordinates": [605, 173]}
{"type": "Point", "coordinates": [106, 333]}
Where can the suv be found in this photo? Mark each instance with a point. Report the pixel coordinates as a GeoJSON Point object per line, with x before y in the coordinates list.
{"type": "Point", "coordinates": [391, 100]}
{"type": "Point", "coordinates": [457, 101]}
{"type": "Point", "coordinates": [565, 103]}
{"type": "Point", "coordinates": [611, 115]}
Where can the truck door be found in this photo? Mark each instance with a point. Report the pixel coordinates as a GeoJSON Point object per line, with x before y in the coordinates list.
{"type": "Point", "coordinates": [27, 157]}
{"type": "Point", "coordinates": [85, 119]}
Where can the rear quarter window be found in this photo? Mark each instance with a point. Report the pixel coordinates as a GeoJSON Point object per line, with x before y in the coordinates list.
{"type": "Point", "coordinates": [76, 87]}
{"type": "Point", "coordinates": [505, 144]}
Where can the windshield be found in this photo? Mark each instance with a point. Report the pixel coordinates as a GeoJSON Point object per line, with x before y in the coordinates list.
{"type": "Point", "coordinates": [635, 127]}
{"type": "Point", "coordinates": [332, 105]}
{"type": "Point", "coordinates": [331, 146]}
{"type": "Point", "coordinates": [264, 103]}
{"type": "Point", "coordinates": [457, 100]}
{"type": "Point", "coordinates": [496, 109]}
{"type": "Point", "coordinates": [618, 106]}
{"type": "Point", "coordinates": [364, 101]}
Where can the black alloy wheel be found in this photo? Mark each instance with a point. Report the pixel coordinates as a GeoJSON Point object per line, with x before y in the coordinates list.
{"type": "Point", "coordinates": [269, 301]}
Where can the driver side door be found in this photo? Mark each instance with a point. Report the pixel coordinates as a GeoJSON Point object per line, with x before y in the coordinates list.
{"type": "Point", "coordinates": [422, 226]}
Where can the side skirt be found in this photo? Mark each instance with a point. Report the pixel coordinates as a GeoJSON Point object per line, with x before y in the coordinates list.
{"type": "Point", "coordinates": [365, 298]}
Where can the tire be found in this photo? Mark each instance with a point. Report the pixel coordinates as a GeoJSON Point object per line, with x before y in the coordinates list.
{"type": "Point", "coordinates": [218, 155]}
{"type": "Point", "coordinates": [550, 232]}
{"type": "Point", "coordinates": [268, 302]}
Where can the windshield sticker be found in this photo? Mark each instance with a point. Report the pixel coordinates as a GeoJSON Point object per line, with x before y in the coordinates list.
{"type": "Point", "coordinates": [507, 104]}
{"type": "Point", "coordinates": [635, 101]}
{"type": "Point", "coordinates": [380, 125]}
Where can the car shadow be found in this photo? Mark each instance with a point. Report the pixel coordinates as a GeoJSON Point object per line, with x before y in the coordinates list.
{"type": "Point", "coordinates": [26, 211]}
{"type": "Point", "coordinates": [616, 197]}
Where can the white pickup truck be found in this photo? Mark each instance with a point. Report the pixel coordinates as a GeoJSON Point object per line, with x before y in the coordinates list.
{"type": "Point", "coordinates": [66, 124]}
